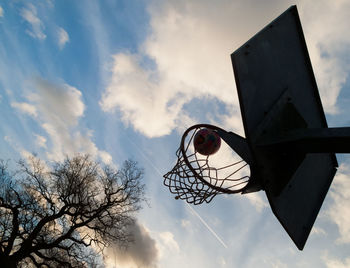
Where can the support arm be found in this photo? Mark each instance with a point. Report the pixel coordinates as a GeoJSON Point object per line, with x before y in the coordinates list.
{"type": "Point", "coordinates": [310, 140]}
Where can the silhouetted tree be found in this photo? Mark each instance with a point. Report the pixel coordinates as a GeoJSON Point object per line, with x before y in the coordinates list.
{"type": "Point", "coordinates": [64, 216]}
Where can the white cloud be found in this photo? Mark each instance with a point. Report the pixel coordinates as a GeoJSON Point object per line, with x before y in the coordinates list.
{"type": "Point", "coordinates": [60, 104]}
{"type": "Point", "coordinates": [26, 155]}
{"type": "Point", "coordinates": [257, 200]}
{"type": "Point", "coordinates": [334, 263]}
{"type": "Point", "coordinates": [326, 26]}
{"type": "Point", "coordinates": [188, 65]}
{"type": "Point", "coordinates": [232, 120]}
{"type": "Point", "coordinates": [29, 157]}
{"type": "Point", "coordinates": [23, 152]}
{"type": "Point", "coordinates": [58, 108]}
{"type": "Point", "coordinates": [142, 252]}
{"type": "Point", "coordinates": [318, 231]}
{"type": "Point", "coordinates": [63, 37]}
{"type": "Point", "coordinates": [138, 97]}
{"type": "Point", "coordinates": [167, 245]}
{"type": "Point", "coordinates": [169, 241]}
{"type": "Point", "coordinates": [278, 264]}
{"type": "Point", "coordinates": [339, 211]}
{"type": "Point", "coordinates": [25, 108]}
{"type": "Point", "coordinates": [190, 43]}
{"type": "Point", "coordinates": [105, 157]}
{"type": "Point", "coordinates": [37, 27]}
{"type": "Point", "coordinates": [40, 141]}
{"type": "Point", "coordinates": [1, 12]}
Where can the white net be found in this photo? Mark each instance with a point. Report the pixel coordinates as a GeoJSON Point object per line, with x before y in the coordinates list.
{"type": "Point", "coordinates": [197, 178]}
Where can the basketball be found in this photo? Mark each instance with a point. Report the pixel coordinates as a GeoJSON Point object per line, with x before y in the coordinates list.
{"type": "Point", "coordinates": [206, 141]}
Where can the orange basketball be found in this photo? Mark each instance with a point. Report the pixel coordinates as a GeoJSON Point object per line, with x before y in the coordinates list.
{"type": "Point", "coordinates": [206, 141]}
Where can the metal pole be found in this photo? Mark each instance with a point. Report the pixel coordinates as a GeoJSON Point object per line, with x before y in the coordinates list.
{"type": "Point", "coordinates": [310, 140]}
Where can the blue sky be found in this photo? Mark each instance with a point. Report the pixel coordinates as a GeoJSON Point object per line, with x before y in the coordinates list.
{"type": "Point", "coordinates": [124, 79]}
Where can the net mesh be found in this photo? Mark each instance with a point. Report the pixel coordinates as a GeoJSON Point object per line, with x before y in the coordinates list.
{"type": "Point", "coordinates": [195, 178]}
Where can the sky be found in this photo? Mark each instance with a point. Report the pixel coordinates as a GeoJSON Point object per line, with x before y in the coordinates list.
{"type": "Point", "coordinates": [123, 79]}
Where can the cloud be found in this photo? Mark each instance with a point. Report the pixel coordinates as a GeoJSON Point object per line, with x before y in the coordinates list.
{"type": "Point", "coordinates": [186, 56]}
{"type": "Point", "coordinates": [278, 264]}
{"type": "Point", "coordinates": [318, 231]}
{"type": "Point", "coordinates": [40, 141]}
{"type": "Point", "coordinates": [59, 104]}
{"type": "Point", "coordinates": [185, 64]}
{"type": "Point", "coordinates": [339, 211]}
{"type": "Point", "coordinates": [167, 245]}
{"type": "Point", "coordinates": [142, 252]}
{"type": "Point", "coordinates": [168, 240]}
{"type": "Point", "coordinates": [63, 37]}
{"type": "Point", "coordinates": [23, 153]}
{"type": "Point", "coordinates": [57, 108]}
{"type": "Point", "coordinates": [37, 27]}
{"type": "Point", "coordinates": [257, 200]}
{"type": "Point", "coordinates": [326, 30]}
{"type": "Point", "coordinates": [1, 12]}
{"type": "Point", "coordinates": [334, 263]}
{"type": "Point", "coordinates": [138, 97]}
{"type": "Point", "coordinates": [25, 108]}
{"type": "Point", "coordinates": [105, 157]}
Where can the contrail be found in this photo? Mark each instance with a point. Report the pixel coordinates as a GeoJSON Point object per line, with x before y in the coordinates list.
{"type": "Point", "coordinates": [206, 225]}
{"type": "Point", "coordinates": [192, 209]}
{"type": "Point", "coordinates": [144, 156]}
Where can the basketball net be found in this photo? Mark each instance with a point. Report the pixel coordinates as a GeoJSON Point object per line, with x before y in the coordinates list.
{"type": "Point", "coordinates": [196, 178]}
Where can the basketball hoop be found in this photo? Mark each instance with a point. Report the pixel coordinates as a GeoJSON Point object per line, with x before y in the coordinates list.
{"type": "Point", "coordinates": [288, 148]}
{"type": "Point", "coordinates": [195, 178]}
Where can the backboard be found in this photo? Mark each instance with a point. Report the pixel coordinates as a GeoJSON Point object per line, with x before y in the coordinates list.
{"type": "Point", "coordinates": [278, 93]}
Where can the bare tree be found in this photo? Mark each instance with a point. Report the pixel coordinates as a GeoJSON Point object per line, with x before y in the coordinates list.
{"type": "Point", "coordinates": [64, 216]}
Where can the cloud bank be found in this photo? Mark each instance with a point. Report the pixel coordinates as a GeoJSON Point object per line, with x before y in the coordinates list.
{"type": "Point", "coordinates": [178, 62]}
{"type": "Point", "coordinates": [186, 57]}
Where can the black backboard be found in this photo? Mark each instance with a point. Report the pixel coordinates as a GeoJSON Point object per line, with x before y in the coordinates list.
{"type": "Point", "coordinates": [278, 92]}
